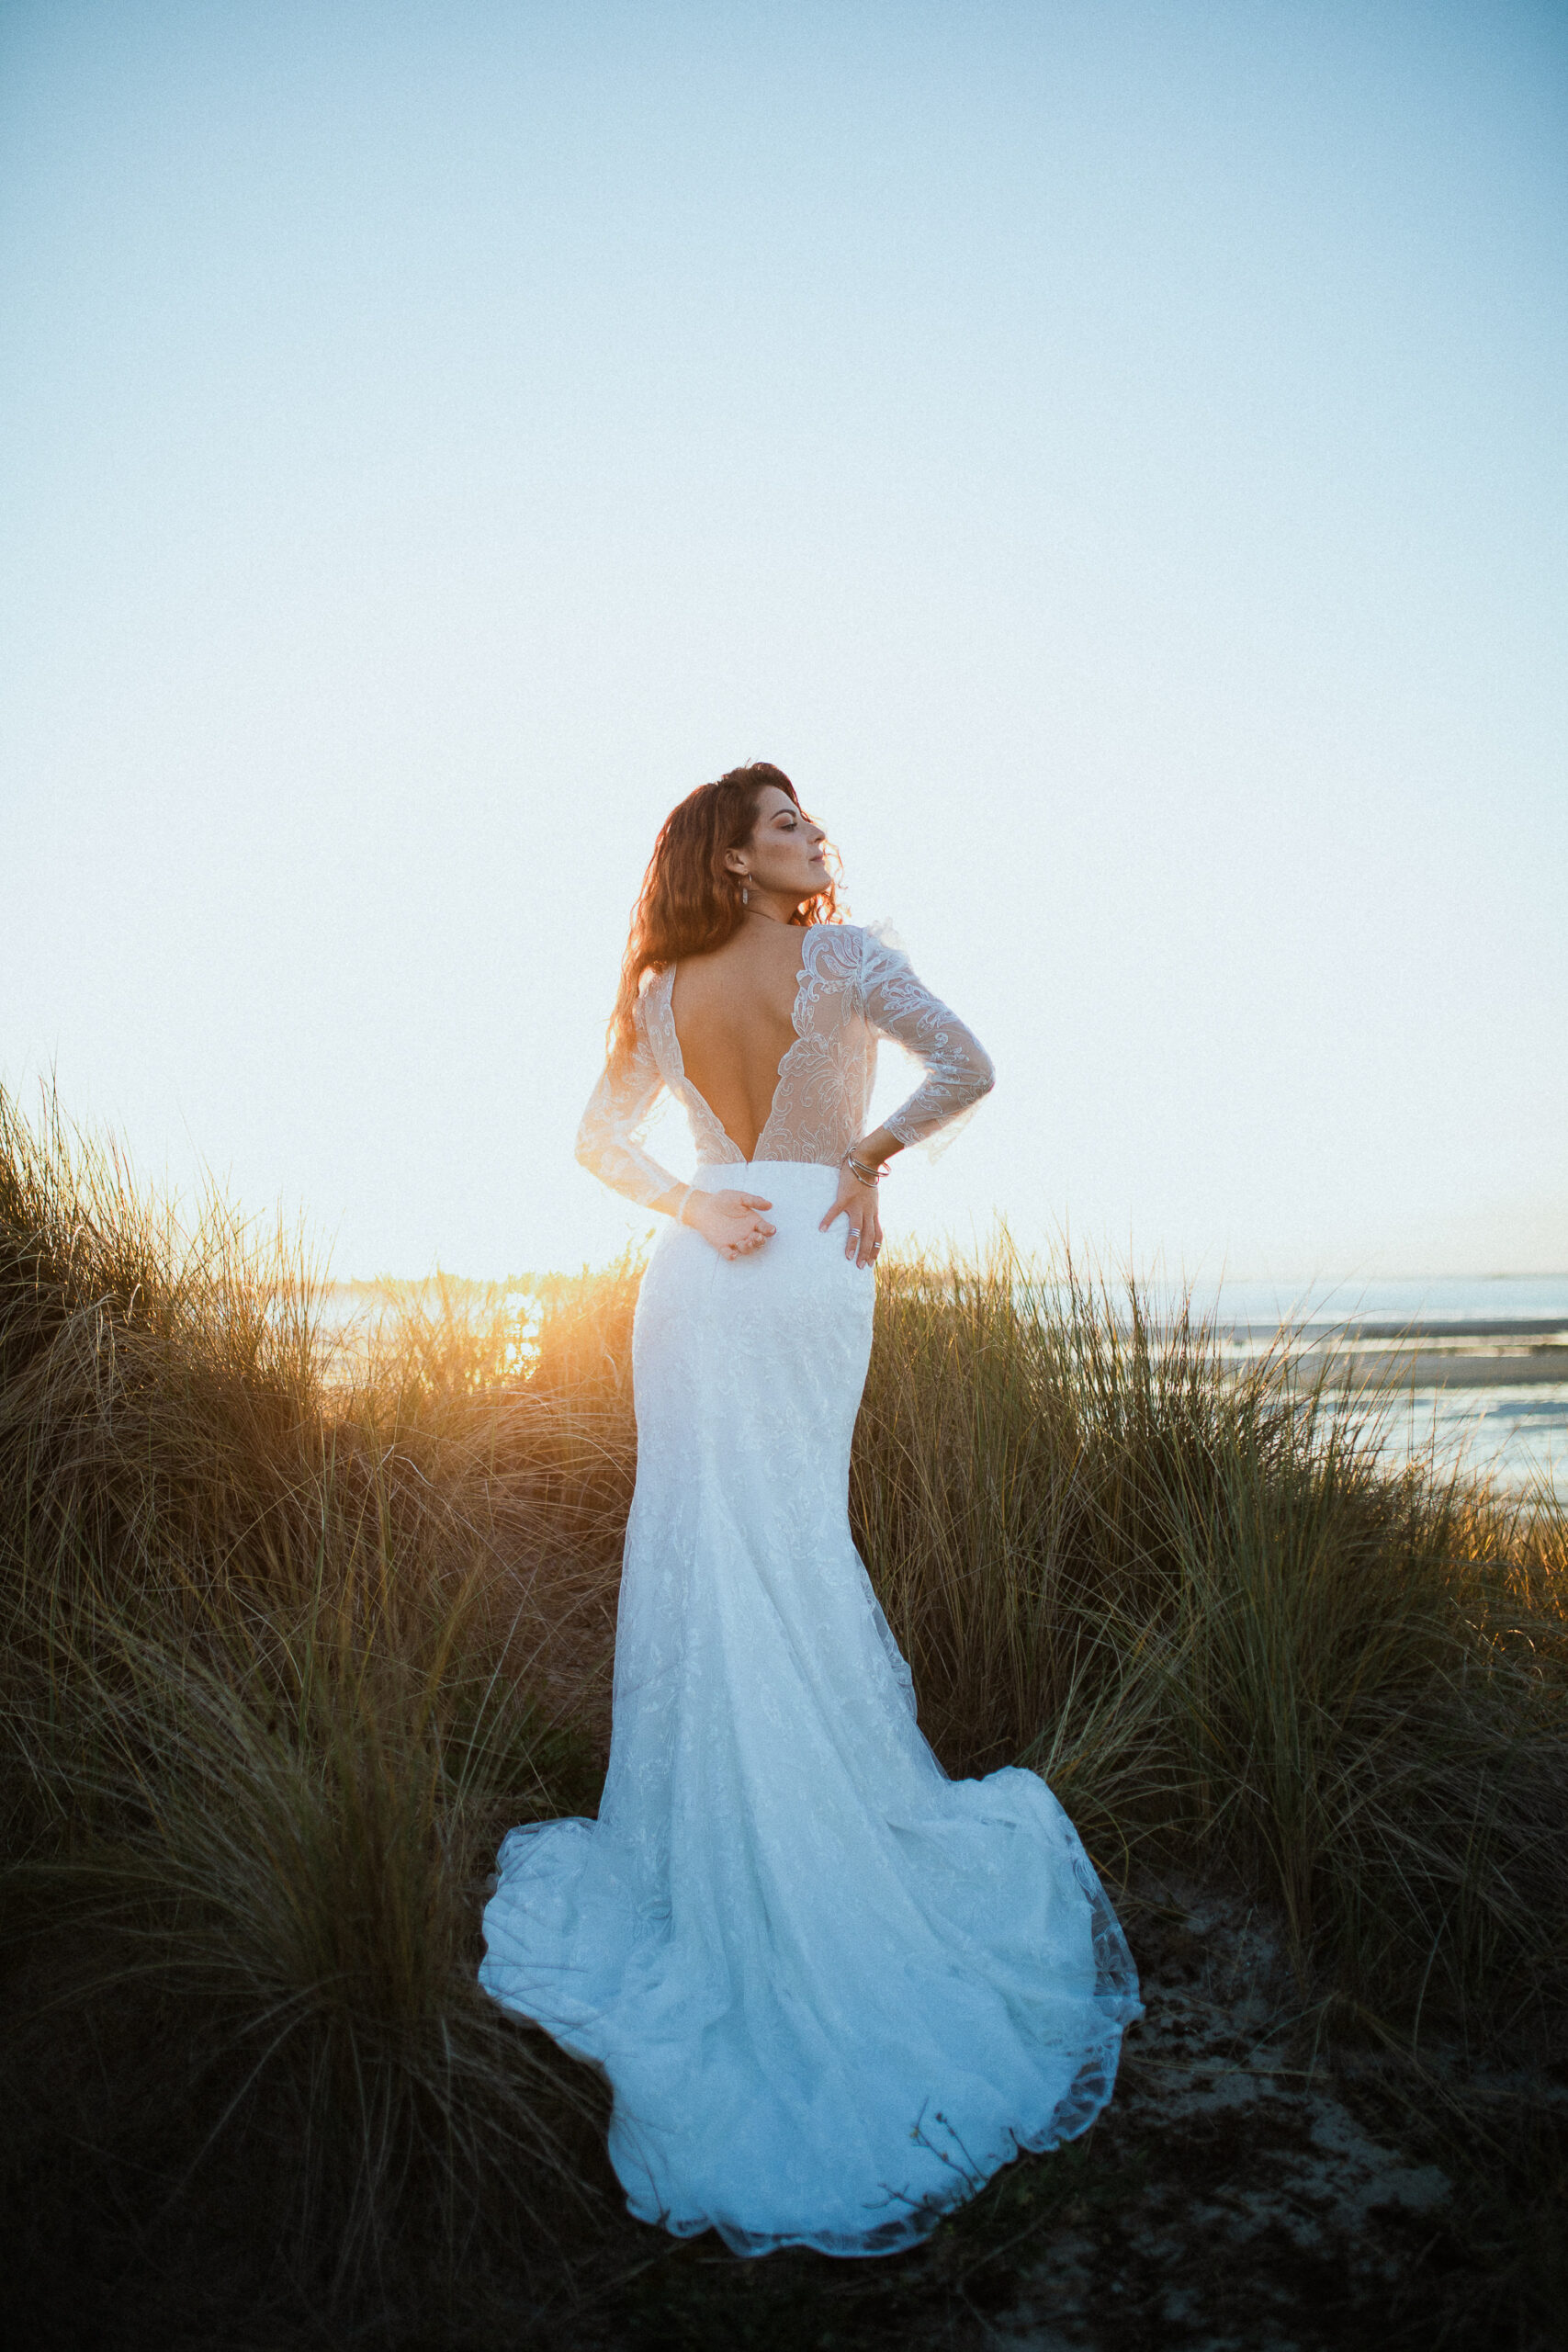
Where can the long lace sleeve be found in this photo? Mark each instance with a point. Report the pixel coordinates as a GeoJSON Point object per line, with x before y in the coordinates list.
{"type": "Point", "coordinates": [609, 1140]}
{"type": "Point", "coordinates": [958, 1069]}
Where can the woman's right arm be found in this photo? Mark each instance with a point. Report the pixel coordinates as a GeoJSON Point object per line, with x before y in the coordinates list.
{"type": "Point", "coordinates": [610, 1137]}
{"type": "Point", "coordinates": [610, 1145]}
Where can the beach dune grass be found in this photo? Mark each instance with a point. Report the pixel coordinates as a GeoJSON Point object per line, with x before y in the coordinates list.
{"type": "Point", "coordinates": [294, 1634]}
{"type": "Point", "coordinates": [1203, 1605]}
{"type": "Point", "coordinates": [265, 1721]}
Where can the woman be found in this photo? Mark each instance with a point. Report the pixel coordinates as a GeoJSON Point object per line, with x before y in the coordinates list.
{"type": "Point", "coordinates": [832, 1989]}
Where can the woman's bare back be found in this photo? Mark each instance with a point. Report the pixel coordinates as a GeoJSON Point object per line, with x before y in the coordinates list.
{"type": "Point", "coordinates": [733, 1014]}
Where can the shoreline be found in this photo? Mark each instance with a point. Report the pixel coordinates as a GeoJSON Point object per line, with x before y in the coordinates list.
{"type": "Point", "coordinates": [1492, 1364]}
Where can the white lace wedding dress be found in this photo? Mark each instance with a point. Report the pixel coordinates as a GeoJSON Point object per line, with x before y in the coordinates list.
{"type": "Point", "coordinates": [832, 1989]}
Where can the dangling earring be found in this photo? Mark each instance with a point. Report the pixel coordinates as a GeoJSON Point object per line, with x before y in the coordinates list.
{"type": "Point", "coordinates": [745, 896]}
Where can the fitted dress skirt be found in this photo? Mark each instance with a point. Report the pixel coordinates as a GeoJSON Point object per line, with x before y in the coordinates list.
{"type": "Point", "coordinates": [832, 1988]}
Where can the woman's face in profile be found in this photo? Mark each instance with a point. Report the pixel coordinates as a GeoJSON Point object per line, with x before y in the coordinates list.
{"type": "Point", "coordinates": [784, 852]}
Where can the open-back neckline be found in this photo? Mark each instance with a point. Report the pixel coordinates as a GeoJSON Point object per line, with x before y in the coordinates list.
{"type": "Point", "coordinates": [802, 978]}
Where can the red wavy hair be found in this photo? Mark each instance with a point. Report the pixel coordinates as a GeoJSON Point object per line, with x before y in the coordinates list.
{"type": "Point", "coordinates": [690, 902]}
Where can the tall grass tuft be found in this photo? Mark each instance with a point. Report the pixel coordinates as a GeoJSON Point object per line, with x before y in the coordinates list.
{"type": "Point", "coordinates": [1203, 1605]}
{"type": "Point", "coordinates": [294, 1629]}
{"type": "Point", "coordinates": [267, 1707]}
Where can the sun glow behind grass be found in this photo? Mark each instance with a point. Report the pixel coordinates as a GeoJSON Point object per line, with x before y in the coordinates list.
{"type": "Point", "coordinates": [293, 1634]}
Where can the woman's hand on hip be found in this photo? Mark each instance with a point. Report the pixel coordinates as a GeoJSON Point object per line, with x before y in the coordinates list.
{"type": "Point", "coordinates": [857, 1205]}
{"type": "Point", "coordinates": [732, 1222]}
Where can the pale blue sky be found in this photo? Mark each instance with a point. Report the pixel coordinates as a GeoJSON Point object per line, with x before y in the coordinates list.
{"type": "Point", "coordinates": [1113, 455]}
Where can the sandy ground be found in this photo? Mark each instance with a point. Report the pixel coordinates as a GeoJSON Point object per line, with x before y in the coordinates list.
{"type": "Point", "coordinates": [1250, 2189]}
{"type": "Point", "coordinates": [1267, 2214]}
{"type": "Point", "coordinates": [1244, 2192]}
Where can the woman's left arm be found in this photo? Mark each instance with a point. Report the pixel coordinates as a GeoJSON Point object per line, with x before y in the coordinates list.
{"type": "Point", "coordinates": [957, 1072]}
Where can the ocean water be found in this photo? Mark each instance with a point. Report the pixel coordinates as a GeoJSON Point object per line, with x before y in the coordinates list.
{"type": "Point", "coordinates": [1517, 1434]}
{"type": "Point", "coordinates": [1495, 1303]}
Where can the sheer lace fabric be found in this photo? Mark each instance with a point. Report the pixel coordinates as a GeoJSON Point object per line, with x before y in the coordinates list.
{"type": "Point", "coordinates": [854, 987]}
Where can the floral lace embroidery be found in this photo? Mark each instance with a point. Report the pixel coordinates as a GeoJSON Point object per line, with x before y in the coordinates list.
{"type": "Point", "coordinates": [854, 987]}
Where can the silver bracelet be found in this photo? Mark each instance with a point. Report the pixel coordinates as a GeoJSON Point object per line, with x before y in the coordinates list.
{"type": "Point", "coordinates": [858, 1172]}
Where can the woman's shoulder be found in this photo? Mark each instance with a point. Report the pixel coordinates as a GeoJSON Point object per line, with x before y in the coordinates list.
{"type": "Point", "coordinates": [835, 950]}
{"type": "Point", "coordinates": [871, 947]}
{"type": "Point", "coordinates": [857, 957]}
{"type": "Point", "coordinates": [857, 939]}
{"type": "Point", "coordinates": [652, 996]}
